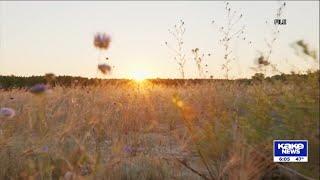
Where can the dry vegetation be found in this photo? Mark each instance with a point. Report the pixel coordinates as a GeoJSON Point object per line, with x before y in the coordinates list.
{"type": "Point", "coordinates": [212, 130]}
{"type": "Point", "coordinates": [87, 129]}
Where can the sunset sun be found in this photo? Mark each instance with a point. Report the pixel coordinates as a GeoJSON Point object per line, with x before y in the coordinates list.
{"type": "Point", "coordinates": [139, 76]}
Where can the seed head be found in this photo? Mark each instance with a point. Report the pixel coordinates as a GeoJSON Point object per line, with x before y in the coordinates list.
{"type": "Point", "coordinates": [102, 41]}
{"type": "Point", "coordinates": [263, 61]}
{"type": "Point", "coordinates": [104, 68]}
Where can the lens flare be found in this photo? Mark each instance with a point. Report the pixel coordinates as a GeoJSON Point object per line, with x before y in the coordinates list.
{"type": "Point", "coordinates": [139, 76]}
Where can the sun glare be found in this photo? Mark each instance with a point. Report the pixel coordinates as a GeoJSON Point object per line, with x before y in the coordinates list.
{"type": "Point", "coordinates": [139, 76]}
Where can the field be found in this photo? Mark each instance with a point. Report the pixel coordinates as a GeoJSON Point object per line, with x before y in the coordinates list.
{"type": "Point", "coordinates": [146, 130]}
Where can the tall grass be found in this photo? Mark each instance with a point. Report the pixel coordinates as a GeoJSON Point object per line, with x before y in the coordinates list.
{"type": "Point", "coordinates": [212, 130]}
{"type": "Point", "coordinates": [144, 130]}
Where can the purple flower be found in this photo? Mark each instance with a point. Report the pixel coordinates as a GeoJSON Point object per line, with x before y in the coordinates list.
{"type": "Point", "coordinates": [133, 150]}
{"type": "Point", "coordinates": [104, 68]}
{"type": "Point", "coordinates": [102, 41]}
{"type": "Point", "coordinates": [45, 149]}
{"type": "Point", "coordinates": [38, 88]}
{"type": "Point", "coordinates": [7, 112]}
{"type": "Point", "coordinates": [128, 149]}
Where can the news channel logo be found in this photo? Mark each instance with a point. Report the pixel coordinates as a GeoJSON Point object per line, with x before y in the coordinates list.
{"type": "Point", "coordinates": [290, 151]}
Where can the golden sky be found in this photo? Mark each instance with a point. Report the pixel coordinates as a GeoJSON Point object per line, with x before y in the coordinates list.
{"type": "Point", "coordinates": [41, 37]}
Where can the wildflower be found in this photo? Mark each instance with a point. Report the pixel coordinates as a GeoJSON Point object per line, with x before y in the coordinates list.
{"type": "Point", "coordinates": [104, 68]}
{"type": "Point", "coordinates": [38, 88]}
{"type": "Point", "coordinates": [128, 149]}
{"type": "Point", "coordinates": [45, 149]}
{"type": "Point", "coordinates": [7, 112]}
{"type": "Point", "coordinates": [102, 41]}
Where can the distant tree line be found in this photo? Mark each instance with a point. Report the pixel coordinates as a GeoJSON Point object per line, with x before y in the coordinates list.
{"type": "Point", "coordinates": [65, 81]}
{"type": "Point", "coordinates": [8, 82]}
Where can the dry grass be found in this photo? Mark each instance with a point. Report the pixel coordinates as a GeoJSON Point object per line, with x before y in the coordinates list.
{"type": "Point", "coordinates": [145, 131]}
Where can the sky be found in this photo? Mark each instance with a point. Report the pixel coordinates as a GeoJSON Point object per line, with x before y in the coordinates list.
{"type": "Point", "coordinates": [57, 36]}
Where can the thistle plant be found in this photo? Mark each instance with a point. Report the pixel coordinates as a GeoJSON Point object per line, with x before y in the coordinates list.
{"type": "Point", "coordinates": [179, 55]}
{"type": "Point", "coordinates": [39, 121]}
{"type": "Point", "coordinates": [7, 112]}
{"type": "Point", "coordinates": [102, 42]}
{"type": "Point", "coordinates": [104, 68]}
